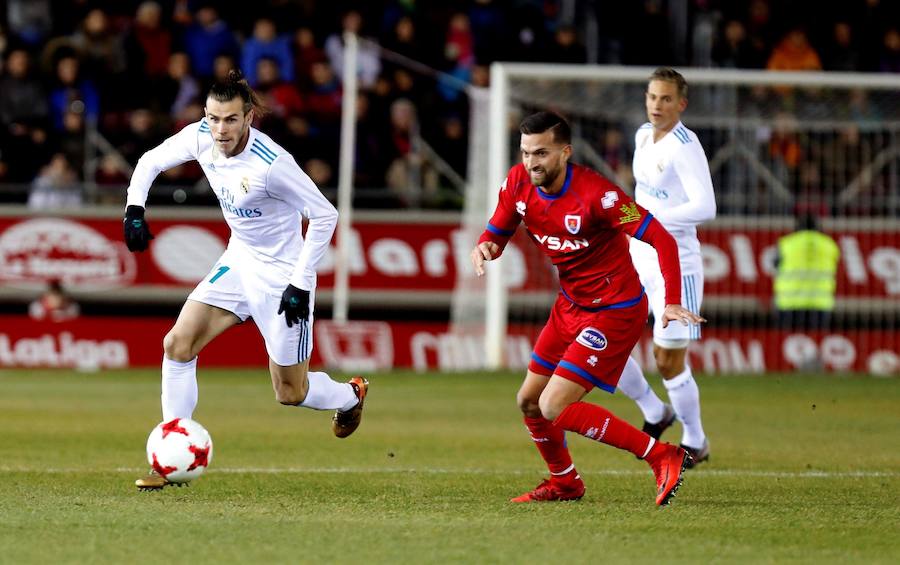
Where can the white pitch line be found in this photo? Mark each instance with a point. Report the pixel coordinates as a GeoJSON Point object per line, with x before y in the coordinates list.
{"type": "Point", "coordinates": [449, 471]}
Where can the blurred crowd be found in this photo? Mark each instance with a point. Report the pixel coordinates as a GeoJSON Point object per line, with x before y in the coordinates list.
{"type": "Point", "coordinates": [136, 72]}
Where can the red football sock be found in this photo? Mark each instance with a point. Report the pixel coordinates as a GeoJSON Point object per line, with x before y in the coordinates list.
{"type": "Point", "coordinates": [551, 442]}
{"type": "Point", "coordinates": [598, 423]}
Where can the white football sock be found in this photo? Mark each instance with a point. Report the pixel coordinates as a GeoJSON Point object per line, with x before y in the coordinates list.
{"type": "Point", "coordinates": [633, 385]}
{"type": "Point", "coordinates": [685, 397]}
{"type": "Point", "coordinates": [179, 388]}
{"type": "Point", "coordinates": [326, 394]}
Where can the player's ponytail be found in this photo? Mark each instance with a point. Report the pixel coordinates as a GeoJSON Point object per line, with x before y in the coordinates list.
{"type": "Point", "coordinates": [235, 85]}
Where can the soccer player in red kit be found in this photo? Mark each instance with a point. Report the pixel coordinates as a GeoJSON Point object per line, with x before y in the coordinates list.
{"type": "Point", "coordinates": [581, 221]}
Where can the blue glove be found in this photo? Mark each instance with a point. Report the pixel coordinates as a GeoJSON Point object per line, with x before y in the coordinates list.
{"type": "Point", "coordinates": [294, 304]}
{"type": "Point", "coordinates": [137, 232]}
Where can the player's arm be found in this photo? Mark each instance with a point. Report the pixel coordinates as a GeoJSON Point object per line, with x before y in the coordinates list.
{"type": "Point", "coordinates": [286, 180]}
{"type": "Point", "coordinates": [500, 228]}
{"type": "Point", "coordinates": [639, 223]}
{"type": "Point", "coordinates": [693, 171]}
{"type": "Point", "coordinates": [178, 149]}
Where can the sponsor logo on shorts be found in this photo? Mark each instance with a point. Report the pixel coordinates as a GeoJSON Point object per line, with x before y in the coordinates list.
{"type": "Point", "coordinates": [593, 338]}
{"type": "Point", "coordinates": [592, 360]}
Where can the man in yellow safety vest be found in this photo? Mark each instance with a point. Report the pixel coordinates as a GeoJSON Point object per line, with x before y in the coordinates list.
{"type": "Point", "coordinates": [805, 281]}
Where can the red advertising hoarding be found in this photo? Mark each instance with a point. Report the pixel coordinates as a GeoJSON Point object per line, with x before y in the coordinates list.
{"type": "Point", "coordinates": [88, 255]}
{"type": "Point", "coordinates": [97, 343]}
{"type": "Point", "coordinates": [404, 258]}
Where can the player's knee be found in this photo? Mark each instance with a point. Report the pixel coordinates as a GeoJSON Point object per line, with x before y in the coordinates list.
{"type": "Point", "coordinates": [669, 365]}
{"type": "Point", "coordinates": [528, 405]}
{"type": "Point", "coordinates": [552, 406]}
{"type": "Point", "coordinates": [177, 347]}
{"type": "Point", "coordinates": [289, 395]}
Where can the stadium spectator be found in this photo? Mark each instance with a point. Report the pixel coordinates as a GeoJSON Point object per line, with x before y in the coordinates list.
{"type": "Point", "coordinates": [732, 49]}
{"type": "Point", "coordinates": [54, 305]}
{"type": "Point", "coordinates": [324, 97]}
{"type": "Point", "coordinates": [599, 313]}
{"type": "Point", "coordinates": [56, 186]}
{"type": "Point", "coordinates": [148, 45]}
{"type": "Point", "coordinates": [890, 54]}
{"type": "Point", "coordinates": [785, 148]}
{"type": "Point", "coordinates": [110, 174]}
{"type": "Point", "coordinates": [142, 134]}
{"type": "Point", "coordinates": [267, 43]}
{"type": "Point", "coordinates": [368, 61]}
{"type": "Point", "coordinates": [402, 173]}
{"type": "Point", "coordinates": [72, 92]}
{"type": "Point", "coordinates": [759, 30]}
{"type": "Point", "coordinates": [178, 88]}
{"type": "Point", "coordinates": [647, 40]}
{"type": "Point", "coordinates": [281, 97]}
{"type": "Point", "coordinates": [565, 47]}
{"type": "Point", "coordinates": [403, 40]}
{"type": "Point", "coordinates": [372, 144]}
{"type": "Point", "coordinates": [268, 271]}
{"type": "Point", "coordinates": [842, 53]}
{"type": "Point", "coordinates": [320, 172]}
{"type": "Point", "coordinates": [491, 39]}
{"type": "Point", "coordinates": [29, 21]}
{"type": "Point", "coordinates": [306, 52]}
{"type": "Point", "coordinates": [794, 53]}
{"type": "Point", "coordinates": [459, 47]}
{"type": "Point", "coordinates": [207, 38]}
{"type": "Point", "coordinates": [23, 101]}
{"type": "Point", "coordinates": [71, 140]}
{"type": "Point", "coordinates": [99, 47]}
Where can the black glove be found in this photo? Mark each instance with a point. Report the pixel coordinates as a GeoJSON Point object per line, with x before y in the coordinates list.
{"type": "Point", "coordinates": [294, 304]}
{"type": "Point", "coordinates": [137, 232]}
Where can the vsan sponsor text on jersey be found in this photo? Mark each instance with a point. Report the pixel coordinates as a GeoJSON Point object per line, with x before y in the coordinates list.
{"type": "Point", "coordinates": [556, 244]}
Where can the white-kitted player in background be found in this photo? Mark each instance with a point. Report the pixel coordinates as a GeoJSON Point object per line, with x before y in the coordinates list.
{"type": "Point", "coordinates": [267, 272]}
{"type": "Point", "coordinates": [672, 181]}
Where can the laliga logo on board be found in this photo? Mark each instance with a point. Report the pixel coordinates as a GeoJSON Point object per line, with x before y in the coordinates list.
{"type": "Point", "coordinates": [36, 250]}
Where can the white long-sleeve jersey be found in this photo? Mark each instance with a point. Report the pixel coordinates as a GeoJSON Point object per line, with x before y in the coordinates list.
{"type": "Point", "coordinates": [263, 194]}
{"type": "Point", "coordinates": [673, 182]}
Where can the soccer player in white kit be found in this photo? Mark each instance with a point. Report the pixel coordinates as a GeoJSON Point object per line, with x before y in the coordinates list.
{"type": "Point", "coordinates": [672, 180]}
{"type": "Point", "coordinates": [267, 271]}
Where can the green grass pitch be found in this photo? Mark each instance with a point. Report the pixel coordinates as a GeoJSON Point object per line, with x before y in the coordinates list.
{"type": "Point", "coordinates": [803, 469]}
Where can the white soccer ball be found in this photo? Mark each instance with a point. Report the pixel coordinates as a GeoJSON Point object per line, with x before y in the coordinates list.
{"type": "Point", "coordinates": [179, 450]}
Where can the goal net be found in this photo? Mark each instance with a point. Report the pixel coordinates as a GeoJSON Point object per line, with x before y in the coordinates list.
{"type": "Point", "coordinates": [778, 145]}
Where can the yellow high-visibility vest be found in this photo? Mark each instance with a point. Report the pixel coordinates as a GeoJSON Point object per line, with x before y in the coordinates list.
{"type": "Point", "coordinates": [807, 270]}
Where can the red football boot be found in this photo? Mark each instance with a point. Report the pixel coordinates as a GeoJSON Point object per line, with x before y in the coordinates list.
{"type": "Point", "coordinates": [549, 490]}
{"type": "Point", "coordinates": [668, 463]}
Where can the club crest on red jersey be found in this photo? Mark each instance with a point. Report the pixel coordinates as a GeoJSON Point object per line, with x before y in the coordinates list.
{"type": "Point", "coordinates": [593, 338]}
{"type": "Point", "coordinates": [573, 223]}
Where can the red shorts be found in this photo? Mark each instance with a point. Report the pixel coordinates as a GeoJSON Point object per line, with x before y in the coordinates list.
{"type": "Point", "coordinates": [588, 348]}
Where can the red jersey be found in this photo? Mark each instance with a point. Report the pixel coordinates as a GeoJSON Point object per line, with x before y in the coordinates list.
{"type": "Point", "coordinates": [582, 229]}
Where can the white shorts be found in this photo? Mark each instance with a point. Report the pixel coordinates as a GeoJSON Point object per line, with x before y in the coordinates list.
{"type": "Point", "coordinates": [249, 289]}
{"type": "Point", "coordinates": [647, 265]}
